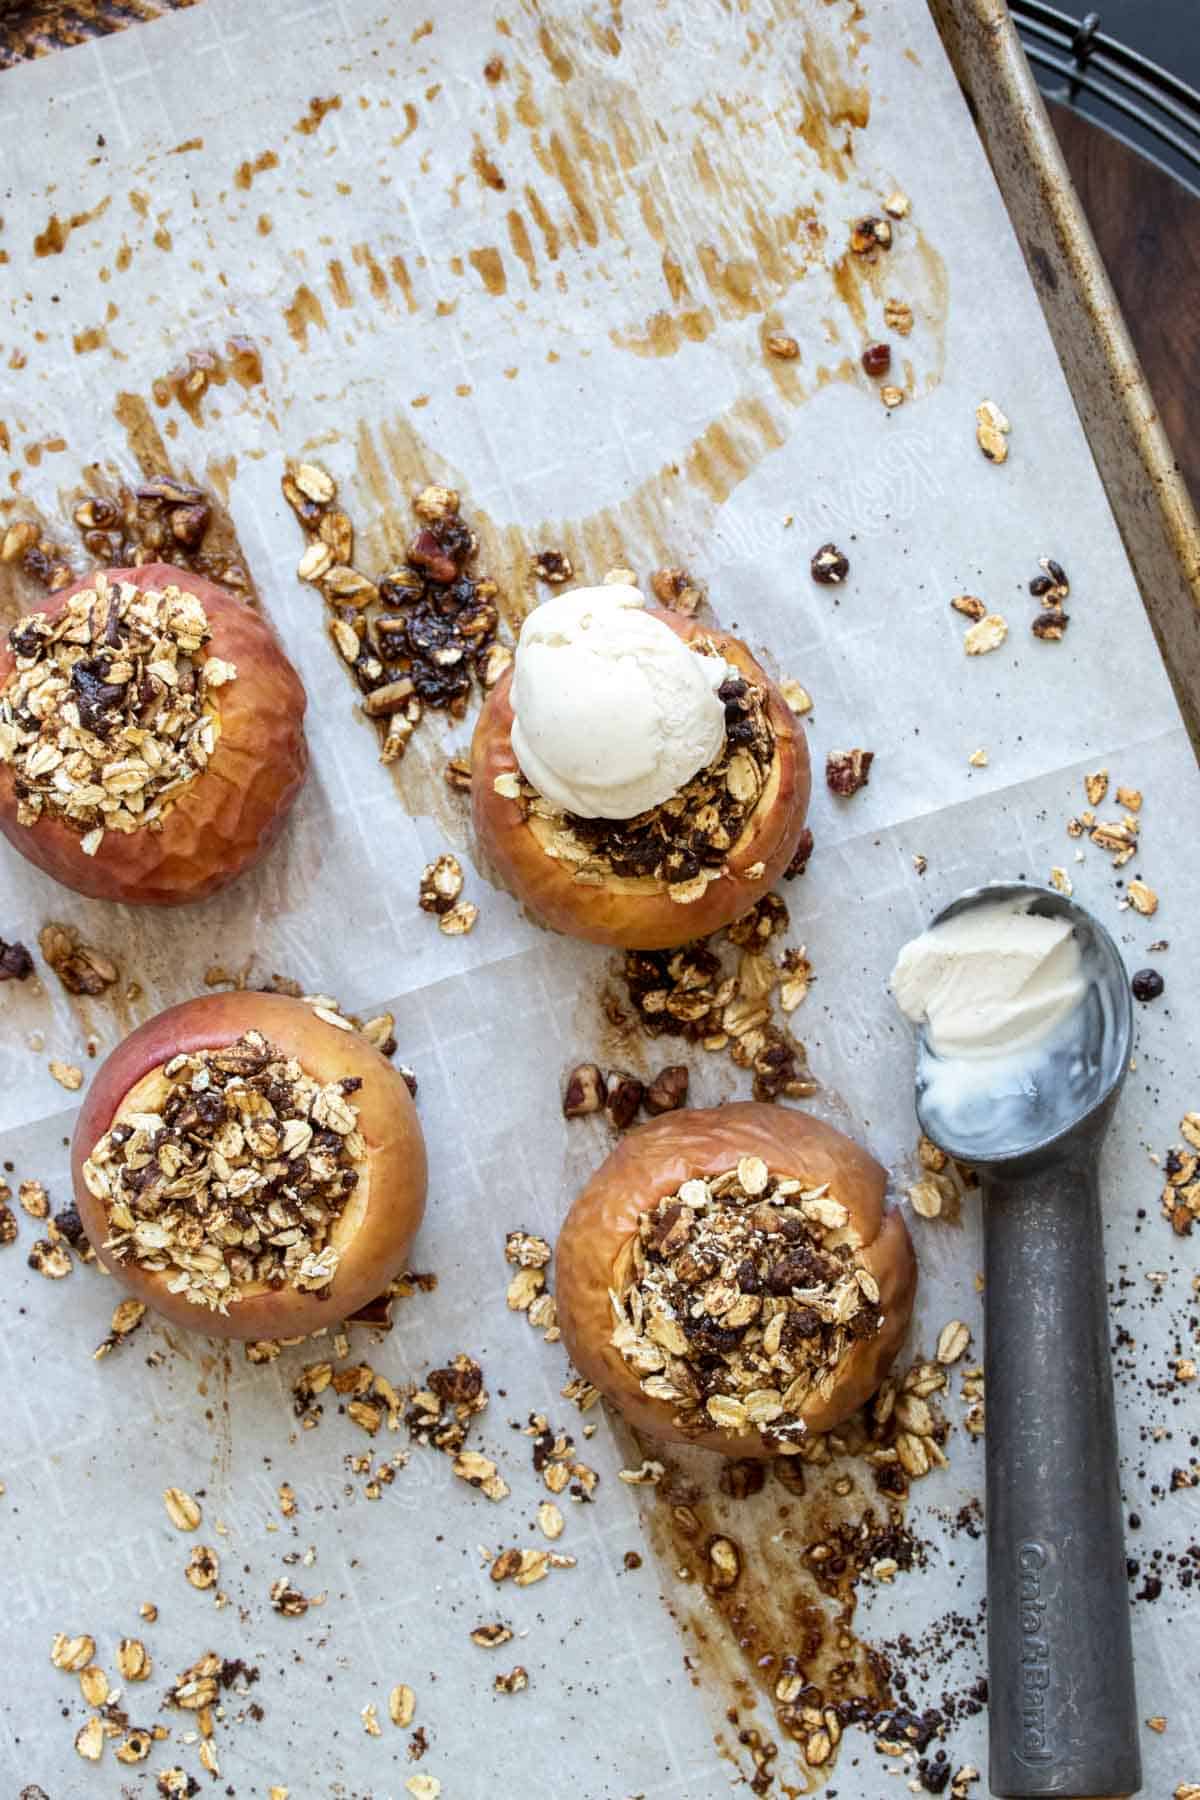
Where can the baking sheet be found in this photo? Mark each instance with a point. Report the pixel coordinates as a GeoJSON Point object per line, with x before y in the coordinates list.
{"type": "Point", "coordinates": [581, 352]}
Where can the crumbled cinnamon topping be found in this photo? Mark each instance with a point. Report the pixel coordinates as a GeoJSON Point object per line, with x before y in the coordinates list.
{"type": "Point", "coordinates": [739, 1298]}
{"type": "Point", "coordinates": [110, 711]}
{"type": "Point", "coordinates": [80, 967]}
{"type": "Point", "coordinates": [238, 1175]}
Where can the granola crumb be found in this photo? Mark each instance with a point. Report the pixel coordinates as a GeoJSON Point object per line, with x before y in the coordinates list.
{"type": "Point", "coordinates": [970, 605]}
{"type": "Point", "coordinates": [370, 1721]}
{"type": "Point", "coordinates": [675, 589]}
{"type": "Point", "coordinates": [80, 968]}
{"type": "Point", "coordinates": [829, 566]}
{"type": "Point", "coordinates": [16, 964]}
{"type": "Point", "coordinates": [986, 634]}
{"type": "Point", "coordinates": [991, 431]}
{"type": "Point", "coordinates": [797, 697]}
{"type": "Point", "coordinates": [66, 1074]}
{"type": "Point", "coordinates": [846, 771]}
{"type": "Point", "coordinates": [553, 567]}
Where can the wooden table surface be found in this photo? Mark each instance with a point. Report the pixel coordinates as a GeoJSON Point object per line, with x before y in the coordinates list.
{"type": "Point", "coordinates": [1147, 226]}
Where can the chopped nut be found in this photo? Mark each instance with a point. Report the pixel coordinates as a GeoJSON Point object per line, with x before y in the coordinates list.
{"type": "Point", "coordinates": [1096, 786]}
{"type": "Point", "coordinates": [459, 920]}
{"type": "Point", "coordinates": [16, 964]}
{"type": "Point", "coordinates": [50, 1259]}
{"type": "Point", "coordinates": [436, 504]}
{"type": "Point", "coordinates": [203, 1567]}
{"type": "Point", "coordinates": [898, 316]}
{"type": "Point", "coordinates": [778, 343]}
{"type": "Point", "coordinates": [970, 605]}
{"type": "Point", "coordinates": [978, 759]}
{"type": "Point", "coordinates": [829, 565]}
{"type": "Point", "coordinates": [490, 1637]}
{"type": "Point", "coordinates": [34, 1199]}
{"type": "Point", "coordinates": [623, 1097]}
{"type": "Point", "coordinates": [846, 771]}
{"type": "Point", "coordinates": [667, 1091]}
{"type": "Point", "coordinates": [798, 698]}
{"type": "Point", "coordinates": [1051, 625]}
{"type": "Point", "coordinates": [288, 1600]}
{"type": "Point", "coordinates": [424, 1787]}
{"type": "Point", "coordinates": [80, 968]}
{"type": "Point", "coordinates": [513, 1683]}
{"type": "Point", "coordinates": [441, 884]}
{"type": "Point", "coordinates": [1062, 881]}
{"type": "Point", "coordinates": [553, 567]}
{"type": "Point", "coordinates": [66, 1075]}
{"type": "Point", "coordinates": [370, 1721]}
{"type": "Point", "coordinates": [898, 205]}
{"type": "Point", "coordinates": [1143, 899]}
{"type": "Point", "coordinates": [987, 634]}
{"type": "Point", "coordinates": [183, 1512]}
{"type": "Point", "coordinates": [674, 589]}
{"type": "Point", "coordinates": [891, 396]}
{"type": "Point", "coordinates": [870, 234]}
{"type": "Point", "coordinates": [1130, 798]}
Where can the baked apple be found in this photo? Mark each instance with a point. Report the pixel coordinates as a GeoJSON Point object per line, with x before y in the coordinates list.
{"type": "Point", "coordinates": [676, 870]}
{"type": "Point", "coordinates": [249, 1167]}
{"type": "Point", "coordinates": [151, 736]}
{"type": "Point", "coordinates": [729, 1278]}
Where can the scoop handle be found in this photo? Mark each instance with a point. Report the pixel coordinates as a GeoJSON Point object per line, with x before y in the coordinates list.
{"type": "Point", "coordinates": [1062, 1704]}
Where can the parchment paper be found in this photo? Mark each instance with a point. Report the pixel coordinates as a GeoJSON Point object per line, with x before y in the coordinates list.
{"type": "Point", "coordinates": [580, 350]}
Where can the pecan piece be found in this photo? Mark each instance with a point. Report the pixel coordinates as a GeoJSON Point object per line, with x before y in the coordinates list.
{"type": "Point", "coordinates": [848, 770]}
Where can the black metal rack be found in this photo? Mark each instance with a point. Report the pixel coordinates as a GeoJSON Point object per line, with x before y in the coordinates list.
{"type": "Point", "coordinates": [1140, 102]}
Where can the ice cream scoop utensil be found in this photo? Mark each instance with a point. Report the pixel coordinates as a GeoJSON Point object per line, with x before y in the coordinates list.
{"type": "Point", "coordinates": [1062, 1707]}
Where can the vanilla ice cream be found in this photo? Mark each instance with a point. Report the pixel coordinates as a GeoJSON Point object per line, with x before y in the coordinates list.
{"type": "Point", "coordinates": [613, 712]}
{"type": "Point", "coordinates": [993, 981]}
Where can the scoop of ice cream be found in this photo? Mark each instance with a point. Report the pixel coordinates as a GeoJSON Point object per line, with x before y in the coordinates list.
{"type": "Point", "coordinates": [991, 981]}
{"type": "Point", "coordinates": [613, 712]}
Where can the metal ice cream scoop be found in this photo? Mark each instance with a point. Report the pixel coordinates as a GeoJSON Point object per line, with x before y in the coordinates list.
{"type": "Point", "coordinates": [1062, 1707]}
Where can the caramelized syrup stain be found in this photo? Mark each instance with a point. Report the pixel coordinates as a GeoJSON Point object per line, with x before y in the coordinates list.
{"type": "Point", "coordinates": [489, 266]}
{"type": "Point", "coordinates": [786, 1619]}
{"type": "Point", "coordinates": [489, 175]}
{"type": "Point", "coordinates": [244, 176]}
{"type": "Point", "coordinates": [318, 112]}
{"type": "Point", "coordinates": [52, 241]}
{"type": "Point", "coordinates": [304, 314]}
{"type": "Point", "coordinates": [189, 382]}
{"type": "Point", "coordinates": [339, 287]}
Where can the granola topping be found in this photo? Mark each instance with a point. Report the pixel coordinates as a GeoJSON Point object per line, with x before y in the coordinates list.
{"type": "Point", "coordinates": [422, 634]}
{"type": "Point", "coordinates": [110, 711]}
{"type": "Point", "coordinates": [739, 1298]}
{"type": "Point", "coordinates": [238, 1177]}
{"type": "Point", "coordinates": [685, 841]}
